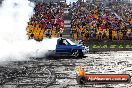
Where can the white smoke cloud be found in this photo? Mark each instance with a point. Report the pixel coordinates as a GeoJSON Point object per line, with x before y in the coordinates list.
{"type": "Point", "coordinates": [14, 15]}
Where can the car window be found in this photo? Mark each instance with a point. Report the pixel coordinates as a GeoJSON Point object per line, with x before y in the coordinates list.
{"type": "Point", "coordinates": [72, 43]}
{"type": "Point", "coordinates": [63, 42]}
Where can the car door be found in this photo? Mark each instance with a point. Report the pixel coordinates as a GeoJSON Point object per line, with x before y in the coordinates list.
{"type": "Point", "coordinates": [63, 48]}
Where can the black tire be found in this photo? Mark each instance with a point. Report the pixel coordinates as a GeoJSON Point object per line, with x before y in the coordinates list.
{"type": "Point", "coordinates": [75, 53]}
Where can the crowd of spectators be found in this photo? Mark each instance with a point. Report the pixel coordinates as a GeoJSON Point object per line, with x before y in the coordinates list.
{"type": "Point", "coordinates": [88, 22]}
{"type": "Point", "coordinates": [94, 24]}
{"type": "Point", "coordinates": [47, 21]}
{"type": "Point", "coordinates": [124, 10]}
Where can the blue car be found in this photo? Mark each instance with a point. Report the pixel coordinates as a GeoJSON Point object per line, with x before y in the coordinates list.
{"type": "Point", "coordinates": [66, 47]}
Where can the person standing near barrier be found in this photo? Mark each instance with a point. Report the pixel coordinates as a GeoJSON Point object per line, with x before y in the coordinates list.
{"type": "Point", "coordinates": [60, 33]}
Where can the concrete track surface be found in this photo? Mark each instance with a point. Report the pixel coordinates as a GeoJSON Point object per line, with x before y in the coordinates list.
{"type": "Point", "coordinates": [60, 73]}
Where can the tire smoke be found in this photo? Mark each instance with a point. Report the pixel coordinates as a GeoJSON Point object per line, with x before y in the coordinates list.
{"type": "Point", "coordinates": [14, 44]}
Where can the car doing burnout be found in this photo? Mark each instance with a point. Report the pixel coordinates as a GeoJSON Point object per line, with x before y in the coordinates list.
{"type": "Point", "coordinates": [66, 47]}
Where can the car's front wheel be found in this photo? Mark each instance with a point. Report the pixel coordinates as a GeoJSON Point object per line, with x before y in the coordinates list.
{"type": "Point", "coordinates": [75, 53]}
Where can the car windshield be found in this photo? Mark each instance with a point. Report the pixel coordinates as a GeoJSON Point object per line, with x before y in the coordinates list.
{"type": "Point", "coordinates": [72, 43]}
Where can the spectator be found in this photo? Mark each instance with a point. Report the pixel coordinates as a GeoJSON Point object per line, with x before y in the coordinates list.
{"type": "Point", "coordinates": [46, 20]}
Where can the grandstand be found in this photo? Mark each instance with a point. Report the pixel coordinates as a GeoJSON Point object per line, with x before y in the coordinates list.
{"type": "Point", "coordinates": [46, 22]}
{"type": "Point", "coordinates": [96, 23]}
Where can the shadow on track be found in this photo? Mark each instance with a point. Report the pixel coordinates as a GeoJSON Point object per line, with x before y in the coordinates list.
{"type": "Point", "coordinates": [59, 57]}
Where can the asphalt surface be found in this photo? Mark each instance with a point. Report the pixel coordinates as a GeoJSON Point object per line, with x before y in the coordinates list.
{"type": "Point", "coordinates": [60, 73]}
